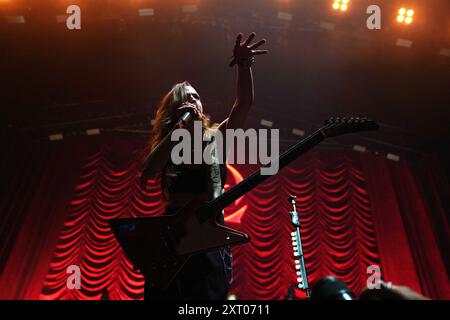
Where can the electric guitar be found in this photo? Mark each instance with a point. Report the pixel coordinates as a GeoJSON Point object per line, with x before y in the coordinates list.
{"type": "Point", "coordinates": [160, 246]}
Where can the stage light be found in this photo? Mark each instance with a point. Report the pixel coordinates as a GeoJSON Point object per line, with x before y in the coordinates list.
{"type": "Point", "coordinates": [341, 5]}
{"type": "Point", "coordinates": [404, 43]}
{"type": "Point", "coordinates": [266, 123]}
{"type": "Point", "coordinates": [326, 25]}
{"type": "Point", "coordinates": [298, 132]}
{"type": "Point", "coordinates": [56, 137]}
{"type": "Point", "coordinates": [146, 12]}
{"type": "Point", "coordinates": [285, 16]}
{"type": "Point", "coordinates": [444, 52]}
{"type": "Point", "coordinates": [393, 157]}
{"type": "Point", "coordinates": [15, 19]}
{"type": "Point", "coordinates": [190, 8]}
{"type": "Point", "coordinates": [405, 15]}
{"type": "Point", "coordinates": [93, 132]}
{"type": "Point", "coordinates": [359, 148]}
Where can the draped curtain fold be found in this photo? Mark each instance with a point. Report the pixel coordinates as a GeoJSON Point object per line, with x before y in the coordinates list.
{"type": "Point", "coordinates": [33, 209]}
{"type": "Point", "coordinates": [356, 211]}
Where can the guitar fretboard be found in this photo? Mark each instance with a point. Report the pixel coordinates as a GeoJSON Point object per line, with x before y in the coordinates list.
{"type": "Point", "coordinates": [257, 177]}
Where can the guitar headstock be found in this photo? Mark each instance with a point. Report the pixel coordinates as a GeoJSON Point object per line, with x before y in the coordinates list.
{"type": "Point", "coordinates": [337, 126]}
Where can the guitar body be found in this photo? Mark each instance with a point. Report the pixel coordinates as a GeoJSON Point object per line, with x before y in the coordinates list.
{"type": "Point", "coordinates": [160, 246]}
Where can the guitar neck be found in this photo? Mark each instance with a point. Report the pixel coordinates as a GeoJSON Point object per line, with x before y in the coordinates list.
{"type": "Point", "coordinates": [256, 178]}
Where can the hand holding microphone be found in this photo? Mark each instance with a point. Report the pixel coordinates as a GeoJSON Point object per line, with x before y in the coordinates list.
{"type": "Point", "coordinates": [188, 112]}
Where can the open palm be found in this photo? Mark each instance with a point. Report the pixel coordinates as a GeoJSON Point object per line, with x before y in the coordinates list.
{"type": "Point", "coordinates": [245, 50]}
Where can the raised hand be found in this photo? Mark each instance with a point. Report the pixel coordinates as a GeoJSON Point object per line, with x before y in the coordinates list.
{"type": "Point", "coordinates": [244, 51]}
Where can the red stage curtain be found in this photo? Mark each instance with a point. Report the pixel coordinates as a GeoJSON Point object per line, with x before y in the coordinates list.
{"type": "Point", "coordinates": [411, 256]}
{"type": "Point", "coordinates": [38, 184]}
{"type": "Point", "coordinates": [355, 212]}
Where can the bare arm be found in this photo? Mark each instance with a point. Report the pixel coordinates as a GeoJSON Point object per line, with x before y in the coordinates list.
{"type": "Point", "coordinates": [244, 98]}
{"type": "Point", "coordinates": [155, 161]}
{"type": "Point", "coordinates": [243, 53]}
{"type": "Point", "coordinates": [160, 155]}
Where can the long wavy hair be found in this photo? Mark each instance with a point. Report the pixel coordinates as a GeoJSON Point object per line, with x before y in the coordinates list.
{"type": "Point", "coordinates": [166, 115]}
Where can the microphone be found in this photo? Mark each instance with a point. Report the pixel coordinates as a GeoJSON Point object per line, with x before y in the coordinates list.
{"type": "Point", "coordinates": [330, 288]}
{"type": "Point", "coordinates": [184, 120]}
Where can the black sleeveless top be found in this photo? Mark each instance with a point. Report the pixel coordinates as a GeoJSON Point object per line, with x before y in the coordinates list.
{"type": "Point", "coordinates": [205, 275]}
{"type": "Point", "coordinates": [193, 179]}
